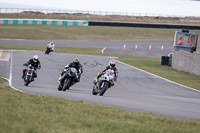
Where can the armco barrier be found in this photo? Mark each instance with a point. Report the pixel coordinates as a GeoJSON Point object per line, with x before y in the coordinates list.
{"type": "Point", "coordinates": [144, 25]}
{"type": "Point", "coordinates": [44, 22]}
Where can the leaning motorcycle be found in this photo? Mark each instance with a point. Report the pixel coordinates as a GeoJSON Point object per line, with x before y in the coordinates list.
{"type": "Point", "coordinates": [69, 77]}
{"type": "Point", "coordinates": [28, 77]}
{"type": "Point", "coordinates": [48, 50]}
{"type": "Point", "coordinates": [104, 83]}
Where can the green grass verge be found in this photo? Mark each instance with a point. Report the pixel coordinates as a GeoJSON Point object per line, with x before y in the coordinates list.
{"type": "Point", "coordinates": [166, 72]}
{"type": "Point", "coordinates": [152, 65]}
{"type": "Point", "coordinates": [25, 113]}
{"type": "Point", "coordinates": [49, 32]}
{"type": "Point", "coordinates": [75, 50]}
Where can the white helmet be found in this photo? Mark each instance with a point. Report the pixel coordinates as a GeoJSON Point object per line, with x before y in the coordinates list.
{"type": "Point", "coordinates": [112, 63]}
{"type": "Point", "coordinates": [51, 43]}
{"type": "Point", "coordinates": [35, 58]}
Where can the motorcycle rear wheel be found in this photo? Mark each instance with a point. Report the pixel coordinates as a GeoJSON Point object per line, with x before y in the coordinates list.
{"type": "Point", "coordinates": [59, 88]}
{"type": "Point", "coordinates": [93, 91]}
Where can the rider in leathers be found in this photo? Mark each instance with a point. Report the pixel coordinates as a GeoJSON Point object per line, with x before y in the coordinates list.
{"type": "Point", "coordinates": [75, 64]}
{"type": "Point", "coordinates": [34, 63]}
{"type": "Point", "coordinates": [112, 67]}
{"type": "Point", "coordinates": [50, 47]}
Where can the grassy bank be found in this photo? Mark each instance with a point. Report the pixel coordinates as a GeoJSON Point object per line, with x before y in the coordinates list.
{"type": "Point", "coordinates": [49, 32]}
{"type": "Point", "coordinates": [74, 50]}
{"type": "Point", "coordinates": [166, 72]}
{"type": "Point", "coordinates": [149, 64]}
{"type": "Point", "coordinates": [24, 113]}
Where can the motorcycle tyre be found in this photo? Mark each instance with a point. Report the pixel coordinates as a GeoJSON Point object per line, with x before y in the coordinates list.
{"type": "Point", "coordinates": [66, 85]}
{"type": "Point", "coordinates": [94, 92]}
{"type": "Point", "coordinates": [46, 52]}
{"type": "Point", "coordinates": [28, 80]}
{"type": "Point", "coordinates": [103, 90]}
{"type": "Point", "coordinates": [59, 88]}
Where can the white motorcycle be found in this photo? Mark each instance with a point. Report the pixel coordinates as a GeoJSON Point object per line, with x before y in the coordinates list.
{"type": "Point", "coordinates": [104, 83]}
{"type": "Point", "coordinates": [50, 48]}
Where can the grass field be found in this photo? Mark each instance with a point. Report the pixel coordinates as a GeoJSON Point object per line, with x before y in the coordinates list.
{"type": "Point", "coordinates": [24, 113]}
{"type": "Point", "coordinates": [48, 32]}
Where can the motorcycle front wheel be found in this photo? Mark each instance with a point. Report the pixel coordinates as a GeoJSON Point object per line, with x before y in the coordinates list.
{"type": "Point", "coordinates": [28, 80]}
{"type": "Point", "coordinates": [66, 84]}
{"type": "Point", "coordinates": [104, 88]}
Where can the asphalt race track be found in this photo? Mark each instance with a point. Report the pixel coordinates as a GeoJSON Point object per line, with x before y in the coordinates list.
{"type": "Point", "coordinates": [134, 90]}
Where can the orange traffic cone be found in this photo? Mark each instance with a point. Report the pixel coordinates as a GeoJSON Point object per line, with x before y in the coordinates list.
{"type": "Point", "coordinates": [136, 48]}
{"type": "Point", "coordinates": [149, 47]}
{"type": "Point", "coordinates": [124, 47]}
{"type": "Point", "coordinates": [162, 48]}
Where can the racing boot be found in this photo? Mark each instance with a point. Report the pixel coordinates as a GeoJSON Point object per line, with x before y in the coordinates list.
{"type": "Point", "coordinates": [95, 81]}
{"type": "Point", "coordinates": [112, 84]}
{"type": "Point", "coordinates": [23, 75]}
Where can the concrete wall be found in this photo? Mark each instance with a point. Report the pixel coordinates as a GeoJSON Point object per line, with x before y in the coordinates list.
{"type": "Point", "coordinates": [187, 62]}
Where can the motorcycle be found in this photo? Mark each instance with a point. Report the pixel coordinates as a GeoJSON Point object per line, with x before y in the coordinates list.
{"type": "Point", "coordinates": [69, 77]}
{"type": "Point", "coordinates": [28, 77]}
{"type": "Point", "coordinates": [48, 50]}
{"type": "Point", "coordinates": [104, 83]}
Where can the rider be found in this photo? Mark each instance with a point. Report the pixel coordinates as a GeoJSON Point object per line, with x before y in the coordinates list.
{"type": "Point", "coordinates": [35, 63]}
{"type": "Point", "coordinates": [76, 64]}
{"type": "Point", "coordinates": [51, 46]}
{"type": "Point", "coordinates": [112, 66]}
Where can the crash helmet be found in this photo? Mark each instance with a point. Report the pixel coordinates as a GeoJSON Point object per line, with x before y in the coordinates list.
{"type": "Point", "coordinates": [112, 63]}
{"type": "Point", "coordinates": [76, 61]}
{"type": "Point", "coordinates": [35, 58]}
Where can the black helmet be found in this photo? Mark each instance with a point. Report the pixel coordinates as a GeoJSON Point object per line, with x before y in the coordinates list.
{"type": "Point", "coordinates": [112, 63]}
{"type": "Point", "coordinates": [76, 61]}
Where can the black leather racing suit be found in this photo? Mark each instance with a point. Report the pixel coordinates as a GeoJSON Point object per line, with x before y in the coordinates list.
{"type": "Point", "coordinates": [36, 66]}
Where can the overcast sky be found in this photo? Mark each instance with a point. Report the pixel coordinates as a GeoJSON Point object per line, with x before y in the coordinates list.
{"type": "Point", "coordinates": [171, 7]}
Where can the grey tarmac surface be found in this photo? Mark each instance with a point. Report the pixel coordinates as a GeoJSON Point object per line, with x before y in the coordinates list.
{"type": "Point", "coordinates": [134, 90]}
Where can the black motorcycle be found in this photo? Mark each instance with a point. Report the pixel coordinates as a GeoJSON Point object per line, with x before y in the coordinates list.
{"type": "Point", "coordinates": [69, 79]}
